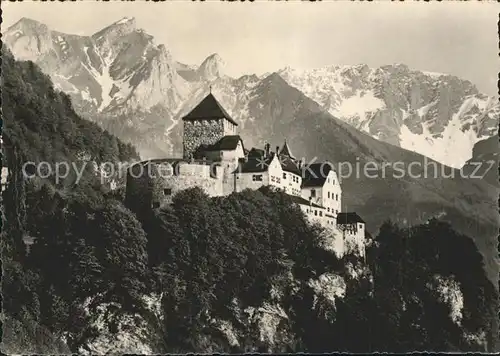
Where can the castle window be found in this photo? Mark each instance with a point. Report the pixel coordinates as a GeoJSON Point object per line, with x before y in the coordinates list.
{"type": "Point", "coordinates": [328, 195]}
{"type": "Point", "coordinates": [313, 193]}
{"type": "Point", "coordinates": [328, 209]}
{"type": "Point", "coordinates": [284, 175]}
{"type": "Point", "coordinates": [320, 213]}
{"type": "Point", "coordinates": [333, 181]}
{"type": "Point", "coordinates": [167, 191]}
{"type": "Point", "coordinates": [360, 226]}
{"type": "Point", "coordinates": [336, 197]}
{"type": "Point", "coordinates": [257, 178]}
{"type": "Point", "coordinates": [316, 212]}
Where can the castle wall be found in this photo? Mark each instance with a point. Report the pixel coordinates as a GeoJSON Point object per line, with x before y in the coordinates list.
{"type": "Point", "coordinates": [291, 183]}
{"type": "Point", "coordinates": [354, 238]}
{"type": "Point", "coordinates": [165, 188]}
{"type": "Point", "coordinates": [315, 214]}
{"type": "Point", "coordinates": [156, 183]}
{"type": "Point", "coordinates": [229, 128]}
{"type": "Point", "coordinates": [229, 177]}
{"type": "Point", "coordinates": [329, 196]}
{"type": "Point", "coordinates": [226, 155]}
{"type": "Point", "coordinates": [247, 180]}
{"type": "Point", "coordinates": [197, 132]}
{"type": "Point", "coordinates": [189, 169]}
{"type": "Point", "coordinates": [272, 177]}
{"type": "Point", "coordinates": [316, 198]}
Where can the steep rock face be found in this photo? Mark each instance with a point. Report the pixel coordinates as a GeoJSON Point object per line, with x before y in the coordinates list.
{"type": "Point", "coordinates": [425, 112]}
{"type": "Point", "coordinates": [211, 68]}
{"type": "Point", "coordinates": [114, 75]}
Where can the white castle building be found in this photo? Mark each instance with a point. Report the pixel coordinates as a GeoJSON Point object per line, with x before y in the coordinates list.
{"type": "Point", "coordinates": [215, 159]}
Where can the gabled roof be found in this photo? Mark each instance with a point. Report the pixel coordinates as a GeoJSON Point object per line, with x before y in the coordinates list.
{"type": "Point", "coordinates": [290, 165]}
{"type": "Point", "coordinates": [349, 218]}
{"type": "Point", "coordinates": [302, 201]}
{"type": "Point", "coordinates": [256, 152]}
{"type": "Point", "coordinates": [209, 108]}
{"type": "Point", "coordinates": [315, 174]}
{"type": "Point", "coordinates": [285, 150]}
{"type": "Point", "coordinates": [255, 164]}
{"type": "Point", "coordinates": [258, 162]}
{"type": "Point", "coordinates": [226, 143]}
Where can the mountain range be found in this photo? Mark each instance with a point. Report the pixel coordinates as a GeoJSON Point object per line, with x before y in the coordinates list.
{"type": "Point", "coordinates": [133, 87]}
{"type": "Point", "coordinates": [239, 274]}
{"type": "Point", "coordinates": [121, 79]}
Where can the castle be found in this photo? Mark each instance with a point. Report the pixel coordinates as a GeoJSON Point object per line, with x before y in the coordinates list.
{"type": "Point", "coordinates": [215, 159]}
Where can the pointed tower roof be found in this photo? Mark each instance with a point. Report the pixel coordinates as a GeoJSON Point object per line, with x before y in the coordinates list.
{"type": "Point", "coordinates": [209, 108]}
{"type": "Point", "coordinates": [285, 150]}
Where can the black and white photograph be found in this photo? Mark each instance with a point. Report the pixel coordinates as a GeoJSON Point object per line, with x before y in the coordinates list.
{"type": "Point", "coordinates": [231, 177]}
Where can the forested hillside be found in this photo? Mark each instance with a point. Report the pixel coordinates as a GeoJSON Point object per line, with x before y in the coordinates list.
{"type": "Point", "coordinates": [40, 125]}
{"type": "Point", "coordinates": [242, 273]}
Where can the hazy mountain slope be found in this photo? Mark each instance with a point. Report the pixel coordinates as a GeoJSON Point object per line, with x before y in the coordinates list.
{"type": "Point", "coordinates": [275, 111]}
{"type": "Point", "coordinates": [429, 113]}
{"type": "Point", "coordinates": [119, 71]}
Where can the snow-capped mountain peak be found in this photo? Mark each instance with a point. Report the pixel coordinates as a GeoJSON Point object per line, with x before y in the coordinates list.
{"type": "Point", "coordinates": [120, 27]}
{"type": "Point", "coordinates": [425, 112]}
{"type": "Point", "coordinates": [120, 73]}
{"type": "Point", "coordinates": [125, 20]}
{"type": "Point", "coordinates": [211, 68]}
{"type": "Point", "coordinates": [116, 70]}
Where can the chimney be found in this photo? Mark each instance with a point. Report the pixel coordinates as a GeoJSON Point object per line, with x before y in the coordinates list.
{"type": "Point", "coordinates": [267, 148]}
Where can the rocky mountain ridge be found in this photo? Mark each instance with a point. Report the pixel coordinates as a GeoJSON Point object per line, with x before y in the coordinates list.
{"type": "Point", "coordinates": [437, 115]}
{"type": "Point", "coordinates": [121, 79]}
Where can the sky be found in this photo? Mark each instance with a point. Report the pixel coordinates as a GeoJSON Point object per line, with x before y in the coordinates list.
{"type": "Point", "coordinates": [458, 38]}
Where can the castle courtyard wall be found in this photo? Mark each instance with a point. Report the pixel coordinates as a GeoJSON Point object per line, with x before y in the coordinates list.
{"type": "Point", "coordinates": [175, 184]}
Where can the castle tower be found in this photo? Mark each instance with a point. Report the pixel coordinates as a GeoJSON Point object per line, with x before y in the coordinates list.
{"type": "Point", "coordinates": [206, 124]}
